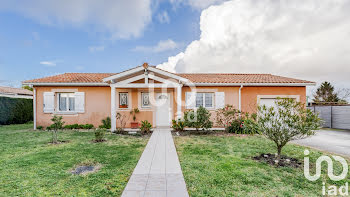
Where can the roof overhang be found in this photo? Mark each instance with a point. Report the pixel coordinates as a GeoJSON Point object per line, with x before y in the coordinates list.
{"type": "Point", "coordinates": [254, 84]}
{"type": "Point", "coordinates": [67, 84]}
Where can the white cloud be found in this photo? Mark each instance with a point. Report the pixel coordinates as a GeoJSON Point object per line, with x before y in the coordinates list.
{"type": "Point", "coordinates": [163, 45]}
{"type": "Point", "coordinates": [163, 17]}
{"type": "Point", "coordinates": [303, 39]}
{"type": "Point", "coordinates": [119, 18]}
{"type": "Point", "coordinates": [197, 4]}
{"type": "Point", "coordinates": [79, 68]}
{"type": "Point", "coordinates": [48, 63]}
{"type": "Point", "coordinates": [96, 48]}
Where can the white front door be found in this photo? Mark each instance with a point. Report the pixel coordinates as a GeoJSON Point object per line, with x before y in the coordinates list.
{"type": "Point", "coordinates": [163, 116]}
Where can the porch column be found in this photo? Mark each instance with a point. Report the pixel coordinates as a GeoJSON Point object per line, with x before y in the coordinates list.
{"type": "Point", "coordinates": [179, 101]}
{"type": "Point", "coordinates": [113, 109]}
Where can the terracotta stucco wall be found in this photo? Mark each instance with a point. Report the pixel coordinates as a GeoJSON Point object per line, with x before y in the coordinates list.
{"type": "Point", "coordinates": [250, 94]}
{"type": "Point", "coordinates": [97, 105]}
{"type": "Point", "coordinates": [231, 96]}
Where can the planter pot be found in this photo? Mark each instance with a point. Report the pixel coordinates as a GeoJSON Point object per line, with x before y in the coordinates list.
{"type": "Point", "coordinates": [134, 125]}
{"type": "Point", "coordinates": [123, 106]}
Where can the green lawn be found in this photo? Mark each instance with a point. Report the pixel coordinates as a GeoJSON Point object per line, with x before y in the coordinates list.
{"type": "Point", "coordinates": [222, 166]}
{"type": "Point", "coordinates": [29, 166]}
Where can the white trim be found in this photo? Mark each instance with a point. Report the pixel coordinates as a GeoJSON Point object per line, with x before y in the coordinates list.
{"type": "Point", "coordinates": [140, 103]}
{"type": "Point", "coordinates": [67, 84]}
{"type": "Point", "coordinates": [179, 102]}
{"type": "Point", "coordinates": [67, 102]}
{"type": "Point", "coordinates": [240, 98]}
{"type": "Point", "coordinates": [125, 73]}
{"type": "Point", "coordinates": [34, 107]}
{"type": "Point", "coordinates": [156, 70]}
{"type": "Point", "coordinates": [16, 96]}
{"type": "Point", "coordinates": [127, 81]}
{"type": "Point", "coordinates": [254, 84]}
{"type": "Point", "coordinates": [142, 85]}
{"type": "Point", "coordinates": [204, 93]}
{"type": "Point", "coordinates": [113, 110]}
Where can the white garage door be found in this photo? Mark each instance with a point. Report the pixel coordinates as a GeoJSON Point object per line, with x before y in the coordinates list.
{"type": "Point", "coordinates": [268, 102]}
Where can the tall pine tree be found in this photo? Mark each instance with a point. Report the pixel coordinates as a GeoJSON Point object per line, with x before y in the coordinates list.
{"type": "Point", "coordinates": [326, 93]}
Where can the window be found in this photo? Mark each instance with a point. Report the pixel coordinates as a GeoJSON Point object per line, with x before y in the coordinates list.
{"type": "Point", "coordinates": [123, 100]}
{"type": "Point", "coordinates": [205, 100]}
{"type": "Point", "coordinates": [66, 102]}
{"type": "Point", "coordinates": [145, 100]}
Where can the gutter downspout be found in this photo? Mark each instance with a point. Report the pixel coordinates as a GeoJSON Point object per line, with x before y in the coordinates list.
{"type": "Point", "coordinates": [34, 107]}
{"type": "Point", "coordinates": [240, 98]}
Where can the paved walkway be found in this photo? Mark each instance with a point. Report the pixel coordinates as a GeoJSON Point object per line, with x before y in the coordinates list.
{"type": "Point", "coordinates": [333, 141]}
{"type": "Point", "coordinates": [158, 172]}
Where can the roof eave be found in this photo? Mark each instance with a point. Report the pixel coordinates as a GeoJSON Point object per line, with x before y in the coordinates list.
{"type": "Point", "coordinates": [254, 84]}
{"type": "Point", "coordinates": [66, 84]}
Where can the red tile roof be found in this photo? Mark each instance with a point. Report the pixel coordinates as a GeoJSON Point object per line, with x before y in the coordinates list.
{"type": "Point", "coordinates": [10, 90]}
{"type": "Point", "coordinates": [193, 77]}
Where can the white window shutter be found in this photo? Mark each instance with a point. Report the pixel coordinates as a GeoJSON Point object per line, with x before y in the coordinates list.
{"type": "Point", "coordinates": [219, 100]}
{"type": "Point", "coordinates": [49, 100]}
{"type": "Point", "coordinates": [190, 100]}
{"type": "Point", "coordinates": [80, 102]}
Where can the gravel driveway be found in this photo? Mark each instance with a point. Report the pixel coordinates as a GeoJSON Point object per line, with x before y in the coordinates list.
{"type": "Point", "coordinates": [333, 141]}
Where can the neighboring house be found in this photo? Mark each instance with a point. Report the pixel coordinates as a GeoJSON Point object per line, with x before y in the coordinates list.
{"type": "Point", "coordinates": [15, 92]}
{"type": "Point", "coordinates": [159, 95]}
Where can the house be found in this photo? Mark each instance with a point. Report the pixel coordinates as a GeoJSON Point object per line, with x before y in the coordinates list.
{"type": "Point", "coordinates": [159, 95]}
{"type": "Point", "coordinates": [15, 92]}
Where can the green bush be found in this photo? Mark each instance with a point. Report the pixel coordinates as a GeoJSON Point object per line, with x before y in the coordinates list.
{"type": "Point", "coordinates": [40, 127]}
{"type": "Point", "coordinates": [198, 119]}
{"type": "Point", "coordinates": [106, 123]}
{"type": "Point", "coordinates": [100, 134]}
{"type": "Point", "coordinates": [145, 127]}
{"type": "Point", "coordinates": [78, 126]}
{"type": "Point", "coordinates": [15, 110]}
{"type": "Point", "coordinates": [236, 126]}
{"type": "Point", "coordinates": [178, 125]}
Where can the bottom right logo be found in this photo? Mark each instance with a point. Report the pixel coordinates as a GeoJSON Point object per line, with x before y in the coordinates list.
{"type": "Point", "coordinates": [332, 190]}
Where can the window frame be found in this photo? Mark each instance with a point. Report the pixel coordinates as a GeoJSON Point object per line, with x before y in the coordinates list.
{"type": "Point", "coordinates": [203, 97]}
{"type": "Point", "coordinates": [141, 100]}
{"type": "Point", "coordinates": [69, 95]}
{"type": "Point", "coordinates": [127, 100]}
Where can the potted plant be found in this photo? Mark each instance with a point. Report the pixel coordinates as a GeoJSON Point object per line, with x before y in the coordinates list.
{"type": "Point", "coordinates": [133, 112]}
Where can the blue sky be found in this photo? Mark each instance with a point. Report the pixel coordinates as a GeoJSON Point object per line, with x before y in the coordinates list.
{"type": "Point", "coordinates": [289, 38]}
{"type": "Point", "coordinates": [30, 49]}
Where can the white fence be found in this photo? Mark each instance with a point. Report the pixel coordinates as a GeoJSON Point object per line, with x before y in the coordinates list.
{"type": "Point", "coordinates": [337, 117]}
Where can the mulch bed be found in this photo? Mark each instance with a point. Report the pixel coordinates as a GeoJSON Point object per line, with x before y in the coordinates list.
{"type": "Point", "coordinates": [210, 132]}
{"type": "Point", "coordinates": [59, 142]}
{"type": "Point", "coordinates": [85, 169]}
{"type": "Point", "coordinates": [283, 162]}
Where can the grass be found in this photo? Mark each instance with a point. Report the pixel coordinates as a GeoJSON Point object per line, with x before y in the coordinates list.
{"type": "Point", "coordinates": [30, 166]}
{"type": "Point", "coordinates": [222, 166]}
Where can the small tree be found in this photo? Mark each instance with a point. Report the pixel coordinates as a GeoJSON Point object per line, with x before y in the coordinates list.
{"type": "Point", "coordinates": [289, 120]}
{"type": "Point", "coordinates": [133, 112]}
{"type": "Point", "coordinates": [121, 119]}
{"type": "Point", "coordinates": [57, 124]}
{"type": "Point", "coordinates": [198, 119]}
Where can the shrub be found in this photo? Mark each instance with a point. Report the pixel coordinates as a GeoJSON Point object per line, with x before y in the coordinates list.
{"type": "Point", "coordinates": [57, 124]}
{"type": "Point", "coordinates": [145, 127]}
{"type": "Point", "coordinates": [225, 116]}
{"type": "Point", "coordinates": [289, 120]}
{"type": "Point", "coordinates": [133, 112]}
{"type": "Point", "coordinates": [106, 123]}
{"type": "Point", "coordinates": [198, 119]}
{"type": "Point", "coordinates": [40, 127]}
{"type": "Point", "coordinates": [88, 126]}
{"type": "Point", "coordinates": [178, 125]}
{"type": "Point", "coordinates": [236, 126]}
{"type": "Point", "coordinates": [100, 134]}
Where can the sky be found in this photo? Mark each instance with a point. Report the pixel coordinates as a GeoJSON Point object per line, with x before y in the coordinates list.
{"type": "Point", "coordinates": [302, 39]}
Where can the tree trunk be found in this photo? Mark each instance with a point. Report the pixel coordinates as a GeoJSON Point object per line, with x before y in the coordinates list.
{"type": "Point", "coordinates": [279, 150]}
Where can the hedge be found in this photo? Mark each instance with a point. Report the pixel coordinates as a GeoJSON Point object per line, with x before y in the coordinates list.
{"type": "Point", "coordinates": [15, 110]}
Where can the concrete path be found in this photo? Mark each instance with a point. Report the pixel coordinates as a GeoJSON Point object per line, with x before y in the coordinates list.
{"type": "Point", "coordinates": [333, 141]}
{"type": "Point", "coordinates": [158, 172]}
